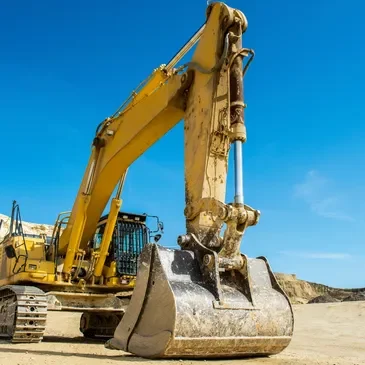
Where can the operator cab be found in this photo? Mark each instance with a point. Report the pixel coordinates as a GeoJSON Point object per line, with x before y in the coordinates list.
{"type": "Point", "coordinates": [130, 235]}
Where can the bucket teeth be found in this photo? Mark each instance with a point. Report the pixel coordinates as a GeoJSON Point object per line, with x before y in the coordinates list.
{"type": "Point", "coordinates": [174, 314]}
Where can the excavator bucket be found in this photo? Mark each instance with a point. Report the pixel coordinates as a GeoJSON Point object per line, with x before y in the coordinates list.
{"type": "Point", "coordinates": [174, 313]}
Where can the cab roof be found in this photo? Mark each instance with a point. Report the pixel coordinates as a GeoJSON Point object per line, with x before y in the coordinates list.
{"type": "Point", "coordinates": [128, 217]}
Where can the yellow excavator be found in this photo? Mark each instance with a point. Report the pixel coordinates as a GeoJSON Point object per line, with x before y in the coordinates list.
{"type": "Point", "coordinates": [206, 299]}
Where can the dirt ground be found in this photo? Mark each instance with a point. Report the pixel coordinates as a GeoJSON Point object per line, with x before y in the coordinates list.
{"type": "Point", "coordinates": [324, 334]}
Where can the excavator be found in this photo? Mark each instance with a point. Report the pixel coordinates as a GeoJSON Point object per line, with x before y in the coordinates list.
{"type": "Point", "coordinates": [205, 299]}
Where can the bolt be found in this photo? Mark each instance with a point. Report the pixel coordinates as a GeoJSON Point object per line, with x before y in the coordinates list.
{"type": "Point", "coordinates": [183, 240]}
{"type": "Point", "coordinates": [207, 259]}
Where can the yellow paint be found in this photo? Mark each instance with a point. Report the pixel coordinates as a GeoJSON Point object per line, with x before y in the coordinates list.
{"type": "Point", "coordinates": [36, 266]}
{"type": "Point", "coordinates": [107, 236]}
{"type": "Point", "coordinates": [155, 108]}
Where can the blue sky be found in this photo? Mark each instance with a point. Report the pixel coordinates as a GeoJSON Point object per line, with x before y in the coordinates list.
{"type": "Point", "coordinates": [65, 66]}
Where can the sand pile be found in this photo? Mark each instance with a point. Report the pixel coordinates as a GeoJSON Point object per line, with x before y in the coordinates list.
{"type": "Point", "coordinates": [28, 227]}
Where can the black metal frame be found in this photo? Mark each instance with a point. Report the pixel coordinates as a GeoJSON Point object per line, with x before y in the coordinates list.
{"type": "Point", "coordinates": [128, 240]}
{"type": "Point", "coordinates": [18, 231]}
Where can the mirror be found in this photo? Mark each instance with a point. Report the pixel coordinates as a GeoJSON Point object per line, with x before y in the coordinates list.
{"type": "Point", "coordinates": [157, 237]}
{"type": "Point", "coordinates": [10, 252]}
{"type": "Point", "coordinates": [160, 226]}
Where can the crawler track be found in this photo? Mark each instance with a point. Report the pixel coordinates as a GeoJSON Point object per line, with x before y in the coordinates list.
{"type": "Point", "coordinates": [102, 324]}
{"type": "Point", "coordinates": [23, 313]}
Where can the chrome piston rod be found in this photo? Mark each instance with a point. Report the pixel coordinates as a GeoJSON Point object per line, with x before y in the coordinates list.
{"type": "Point", "coordinates": [238, 172]}
{"type": "Point", "coordinates": [237, 120]}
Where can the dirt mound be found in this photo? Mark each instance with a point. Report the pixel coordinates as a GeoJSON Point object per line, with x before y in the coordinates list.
{"type": "Point", "coordinates": [298, 291]}
{"type": "Point", "coordinates": [323, 299]}
{"type": "Point", "coordinates": [301, 291]}
{"type": "Point", "coordinates": [28, 227]}
{"type": "Point", "coordinates": [355, 297]}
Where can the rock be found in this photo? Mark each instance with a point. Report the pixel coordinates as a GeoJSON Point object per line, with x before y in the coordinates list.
{"type": "Point", "coordinates": [323, 299]}
{"type": "Point", "coordinates": [355, 297]}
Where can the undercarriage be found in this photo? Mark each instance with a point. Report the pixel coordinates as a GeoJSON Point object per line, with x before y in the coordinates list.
{"type": "Point", "coordinates": [23, 312]}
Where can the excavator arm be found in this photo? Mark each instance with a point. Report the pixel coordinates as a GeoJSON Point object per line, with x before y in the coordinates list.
{"type": "Point", "coordinates": [201, 94]}
{"type": "Point", "coordinates": [207, 299]}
